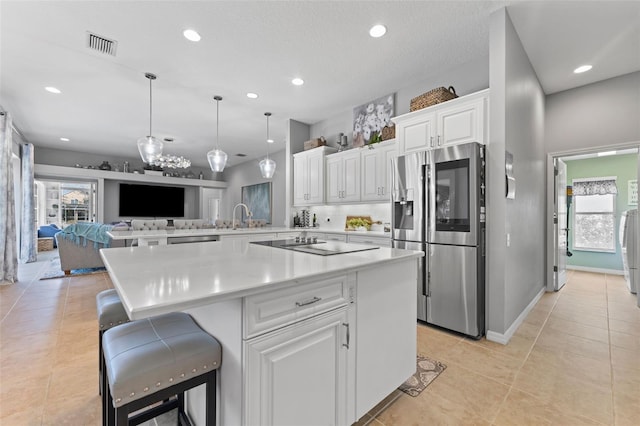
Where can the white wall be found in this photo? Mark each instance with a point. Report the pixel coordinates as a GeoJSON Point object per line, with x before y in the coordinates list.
{"type": "Point", "coordinates": [515, 274]}
{"type": "Point", "coordinates": [248, 173]}
{"type": "Point", "coordinates": [596, 115]}
{"type": "Point", "coordinates": [469, 78]}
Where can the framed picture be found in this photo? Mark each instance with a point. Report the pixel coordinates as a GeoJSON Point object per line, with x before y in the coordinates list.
{"type": "Point", "coordinates": [369, 119]}
{"type": "Point", "coordinates": [632, 192]}
{"type": "Point", "coordinates": [258, 198]}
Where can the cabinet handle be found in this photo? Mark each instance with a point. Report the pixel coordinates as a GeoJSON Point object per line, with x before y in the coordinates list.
{"type": "Point", "coordinates": [346, 345]}
{"type": "Point", "coordinates": [431, 142]}
{"type": "Point", "coordinates": [438, 140]}
{"type": "Point", "coordinates": [309, 301]}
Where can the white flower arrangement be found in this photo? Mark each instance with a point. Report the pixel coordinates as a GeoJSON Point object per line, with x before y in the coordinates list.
{"type": "Point", "coordinates": [369, 119]}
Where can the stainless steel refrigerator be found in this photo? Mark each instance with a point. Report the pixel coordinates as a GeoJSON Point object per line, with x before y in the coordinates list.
{"type": "Point", "coordinates": [438, 207]}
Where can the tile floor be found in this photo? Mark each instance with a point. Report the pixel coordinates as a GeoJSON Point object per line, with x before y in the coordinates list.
{"type": "Point", "coordinates": [575, 360]}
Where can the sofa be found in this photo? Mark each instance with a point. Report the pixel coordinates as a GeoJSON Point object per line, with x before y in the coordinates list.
{"type": "Point", "coordinates": [79, 245]}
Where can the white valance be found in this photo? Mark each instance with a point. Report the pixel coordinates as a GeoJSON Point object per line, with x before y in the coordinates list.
{"type": "Point", "coordinates": [595, 186]}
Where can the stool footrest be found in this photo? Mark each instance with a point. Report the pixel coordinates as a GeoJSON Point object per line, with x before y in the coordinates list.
{"type": "Point", "coordinates": [151, 413]}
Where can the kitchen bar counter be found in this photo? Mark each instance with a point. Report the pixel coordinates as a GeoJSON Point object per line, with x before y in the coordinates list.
{"type": "Point", "coordinates": [246, 294]}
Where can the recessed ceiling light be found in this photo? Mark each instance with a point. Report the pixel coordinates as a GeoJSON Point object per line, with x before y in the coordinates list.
{"type": "Point", "coordinates": [52, 90]}
{"type": "Point", "coordinates": [377, 31]}
{"type": "Point", "coordinates": [297, 82]}
{"type": "Point", "coordinates": [252, 95]}
{"type": "Point", "coordinates": [583, 68]}
{"type": "Point", "coordinates": [270, 140]}
{"type": "Point", "coordinates": [64, 139]}
{"type": "Point", "coordinates": [191, 35]}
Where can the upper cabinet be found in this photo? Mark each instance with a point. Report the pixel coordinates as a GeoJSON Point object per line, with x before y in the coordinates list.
{"type": "Point", "coordinates": [453, 122]}
{"type": "Point", "coordinates": [375, 175]}
{"type": "Point", "coordinates": [343, 177]}
{"type": "Point", "coordinates": [308, 176]}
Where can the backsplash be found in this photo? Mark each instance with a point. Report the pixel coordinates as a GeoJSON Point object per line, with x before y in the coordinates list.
{"type": "Point", "coordinates": [337, 214]}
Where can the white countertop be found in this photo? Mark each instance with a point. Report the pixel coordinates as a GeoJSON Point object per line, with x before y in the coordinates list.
{"type": "Point", "coordinates": [159, 279]}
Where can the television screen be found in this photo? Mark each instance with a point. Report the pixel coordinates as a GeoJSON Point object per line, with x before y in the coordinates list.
{"type": "Point", "coordinates": [151, 201]}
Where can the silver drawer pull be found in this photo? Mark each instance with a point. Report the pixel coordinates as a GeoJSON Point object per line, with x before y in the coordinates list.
{"type": "Point", "coordinates": [309, 302]}
{"type": "Point", "coordinates": [346, 345]}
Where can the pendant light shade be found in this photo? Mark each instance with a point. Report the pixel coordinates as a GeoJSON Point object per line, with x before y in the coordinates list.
{"type": "Point", "coordinates": [216, 157]}
{"type": "Point", "coordinates": [267, 165]}
{"type": "Point", "coordinates": [149, 147]}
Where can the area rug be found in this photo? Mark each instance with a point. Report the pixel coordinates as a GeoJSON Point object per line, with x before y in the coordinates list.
{"type": "Point", "coordinates": [55, 271]}
{"type": "Point", "coordinates": [426, 372]}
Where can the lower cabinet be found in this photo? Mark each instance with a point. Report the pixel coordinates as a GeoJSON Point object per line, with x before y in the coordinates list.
{"type": "Point", "coordinates": [375, 241]}
{"type": "Point", "coordinates": [249, 237]}
{"type": "Point", "coordinates": [299, 373]}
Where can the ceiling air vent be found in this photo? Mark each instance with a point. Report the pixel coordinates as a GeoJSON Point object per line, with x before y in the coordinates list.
{"type": "Point", "coordinates": [101, 44]}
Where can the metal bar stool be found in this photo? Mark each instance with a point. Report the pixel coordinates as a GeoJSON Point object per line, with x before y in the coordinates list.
{"type": "Point", "coordinates": [110, 313]}
{"type": "Point", "coordinates": [152, 360]}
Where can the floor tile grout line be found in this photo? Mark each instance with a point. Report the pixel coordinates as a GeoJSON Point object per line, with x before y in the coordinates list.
{"type": "Point", "coordinates": [613, 402]}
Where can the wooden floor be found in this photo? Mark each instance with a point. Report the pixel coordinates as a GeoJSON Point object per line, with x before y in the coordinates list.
{"type": "Point", "coordinates": [575, 360]}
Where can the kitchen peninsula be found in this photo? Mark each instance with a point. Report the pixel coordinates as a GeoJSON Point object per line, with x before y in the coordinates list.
{"type": "Point", "coordinates": [307, 339]}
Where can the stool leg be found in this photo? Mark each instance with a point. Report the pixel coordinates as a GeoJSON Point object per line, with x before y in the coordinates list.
{"type": "Point", "coordinates": [100, 361]}
{"type": "Point", "coordinates": [122, 416]}
{"type": "Point", "coordinates": [211, 399]}
{"type": "Point", "coordinates": [109, 411]}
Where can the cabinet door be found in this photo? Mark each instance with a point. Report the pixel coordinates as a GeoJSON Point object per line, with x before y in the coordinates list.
{"type": "Point", "coordinates": [416, 134]}
{"type": "Point", "coordinates": [315, 179]}
{"type": "Point", "coordinates": [300, 183]}
{"type": "Point", "coordinates": [298, 374]}
{"type": "Point", "coordinates": [369, 182]}
{"type": "Point", "coordinates": [351, 176]}
{"type": "Point", "coordinates": [334, 179]}
{"type": "Point", "coordinates": [387, 155]}
{"type": "Point", "coordinates": [461, 124]}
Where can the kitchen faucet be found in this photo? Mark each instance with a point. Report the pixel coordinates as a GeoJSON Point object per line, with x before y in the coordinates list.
{"type": "Point", "coordinates": [246, 210]}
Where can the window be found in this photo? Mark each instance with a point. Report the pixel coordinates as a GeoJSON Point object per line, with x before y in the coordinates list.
{"type": "Point", "coordinates": [594, 217]}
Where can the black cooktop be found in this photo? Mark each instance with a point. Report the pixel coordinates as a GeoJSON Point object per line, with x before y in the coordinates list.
{"type": "Point", "coordinates": [313, 246]}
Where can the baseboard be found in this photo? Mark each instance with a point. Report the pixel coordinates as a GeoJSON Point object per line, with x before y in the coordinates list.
{"type": "Point", "coordinates": [504, 338]}
{"type": "Point", "coordinates": [597, 270]}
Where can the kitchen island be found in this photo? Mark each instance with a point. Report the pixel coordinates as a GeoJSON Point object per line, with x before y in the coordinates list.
{"type": "Point", "coordinates": [306, 339]}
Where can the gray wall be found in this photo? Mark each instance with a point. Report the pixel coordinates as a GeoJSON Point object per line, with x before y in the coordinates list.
{"type": "Point", "coordinates": [595, 115]}
{"type": "Point", "coordinates": [248, 173]}
{"type": "Point", "coordinates": [469, 78]}
{"type": "Point", "coordinates": [515, 273]}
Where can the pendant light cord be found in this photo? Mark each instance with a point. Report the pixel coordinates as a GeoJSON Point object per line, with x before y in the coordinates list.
{"type": "Point", "coordinates": [150, 106]}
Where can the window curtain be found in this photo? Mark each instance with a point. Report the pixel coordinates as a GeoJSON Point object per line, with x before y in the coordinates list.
{"type": "Point", "coordinates": [28, 238]}
{"type": "Point", "coordinates": [8, 249]}
{"type": "Point", "coordinates": [595, 187]}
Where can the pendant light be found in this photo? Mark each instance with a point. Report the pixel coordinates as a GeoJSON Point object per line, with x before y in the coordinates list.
{"type": "Point", "coordinates": [217, 158]}
{"type": "Point", "coordinates": [149, 147]}
{"type": "Point", "coordinates": [268, 166]}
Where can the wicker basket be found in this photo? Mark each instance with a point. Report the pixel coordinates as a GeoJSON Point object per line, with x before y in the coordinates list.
{"type": "Point", "coordinates": [45, 244]}
{"type": "Point", "coordinates": [433, 97]}
{"type": "Point", "coordinates": [388, 133]}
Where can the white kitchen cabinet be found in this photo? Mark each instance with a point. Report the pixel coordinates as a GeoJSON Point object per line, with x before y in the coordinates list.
{"type": "Point", "coordinates": [457, 121]}
{"type": "Point", "coordinates": [343, 177]}
{"type": "Point", "coordinates": [385, 318]}
{"type": "Point", "coordinates": [335, 237]}
{"type": "Point", "coordinates": [367, 239]}
{"type": "Point", "coordinates": [288, 235]}
{"type": "Point", "coordinates": [375, 176]}
{"type": "Point", "coordinates": [299, 354]}
{"type": "Point", "coordinates": [308, 176]}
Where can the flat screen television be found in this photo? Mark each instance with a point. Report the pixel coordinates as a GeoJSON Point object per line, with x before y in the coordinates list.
{"type": "Point", "coordinates": [151, 201]}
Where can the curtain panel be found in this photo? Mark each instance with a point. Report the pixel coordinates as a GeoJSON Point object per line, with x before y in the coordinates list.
{"type": "Point", "coordinates": [595, 187]}
{"type": "Point", "coordinates": [8, 245]}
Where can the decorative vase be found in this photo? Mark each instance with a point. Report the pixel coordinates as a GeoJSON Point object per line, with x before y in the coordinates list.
{"type": "Point", "coordinates": [105, 166]}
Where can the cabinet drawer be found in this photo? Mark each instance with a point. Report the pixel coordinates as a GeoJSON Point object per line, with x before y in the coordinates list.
{"type": "Point", "coordinates": [269, 311]}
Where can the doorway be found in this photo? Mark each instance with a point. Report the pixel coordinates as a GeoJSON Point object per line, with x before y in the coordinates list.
{"type": "Point", "coordinates": [587, 193]}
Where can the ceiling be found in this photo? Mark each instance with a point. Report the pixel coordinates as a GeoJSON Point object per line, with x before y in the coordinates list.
{"type": "Point", "coordinates": [259, 46]}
